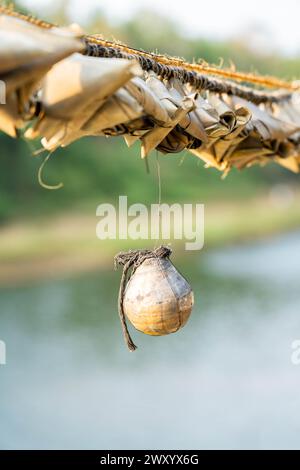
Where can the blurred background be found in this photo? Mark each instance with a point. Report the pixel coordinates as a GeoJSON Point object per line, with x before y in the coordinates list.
{"type": "Point", "coordinates": [226, 380]}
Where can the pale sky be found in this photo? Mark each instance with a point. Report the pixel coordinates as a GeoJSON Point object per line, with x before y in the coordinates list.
{"type": "Point", "coordinates": [274, 25]}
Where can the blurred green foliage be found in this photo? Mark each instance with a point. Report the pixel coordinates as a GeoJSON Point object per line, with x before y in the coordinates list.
{"type": "Point", "coordinates": [97, 169]}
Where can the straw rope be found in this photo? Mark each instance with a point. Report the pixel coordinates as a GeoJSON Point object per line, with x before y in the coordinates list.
{"type": "Point", "coordinates": [8, 10]}
{"type": "Point", "coordinates": [193, 73]}
{"type": "Point", "coordinates": [264, 81]}
{"type": "Point", "coordinates": [197, 80]}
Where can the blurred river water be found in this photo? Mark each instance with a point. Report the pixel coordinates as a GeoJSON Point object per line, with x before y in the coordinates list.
{"type": "Point", "coordinates": [225, 381]}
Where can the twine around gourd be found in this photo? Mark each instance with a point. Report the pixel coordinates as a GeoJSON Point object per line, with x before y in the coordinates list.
{"type": "Point", "coordinates": [153, 295]}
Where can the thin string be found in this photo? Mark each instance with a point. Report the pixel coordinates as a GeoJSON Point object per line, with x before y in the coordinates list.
{"type": "Point", "coordinates": [158, 177]}
{"type": "Point", "coordinates": [40, 176]}
{"type": "Point", "coordinates": [159, 199]}
{"type": "Point", "coordinates": [147, 165]}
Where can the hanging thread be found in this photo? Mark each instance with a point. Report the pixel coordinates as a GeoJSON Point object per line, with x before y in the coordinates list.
{"type": "Point", "coordinates": [40, 179]}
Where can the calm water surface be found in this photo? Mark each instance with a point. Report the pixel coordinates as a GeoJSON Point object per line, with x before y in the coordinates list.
{"type": "Point", "coordinates": [225, 381]}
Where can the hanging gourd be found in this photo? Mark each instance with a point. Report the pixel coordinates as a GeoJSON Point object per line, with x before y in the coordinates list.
{"type": "Point", "coordinates": [155, 297]}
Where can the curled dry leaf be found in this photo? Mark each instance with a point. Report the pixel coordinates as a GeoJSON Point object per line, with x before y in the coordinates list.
{"type": "Point", "coordinates": [62, 95]}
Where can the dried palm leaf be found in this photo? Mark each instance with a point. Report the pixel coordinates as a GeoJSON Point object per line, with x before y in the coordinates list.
{"type": "Point", "coordinates": [27, 52]}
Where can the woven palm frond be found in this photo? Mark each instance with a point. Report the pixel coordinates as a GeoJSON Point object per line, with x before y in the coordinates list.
{"type": "Point", "coordinates": [64, 85]}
